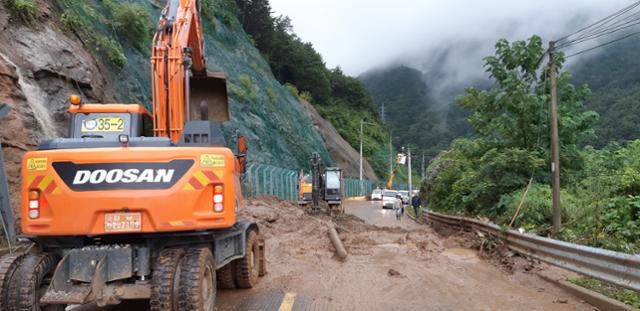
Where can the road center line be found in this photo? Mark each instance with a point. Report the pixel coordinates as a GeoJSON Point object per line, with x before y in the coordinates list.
{"type": "Point", "coordinates": [287, 302]}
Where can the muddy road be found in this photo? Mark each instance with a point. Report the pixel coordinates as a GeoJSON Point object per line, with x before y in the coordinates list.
{"type": "Point", "coordinates": [392, 265]}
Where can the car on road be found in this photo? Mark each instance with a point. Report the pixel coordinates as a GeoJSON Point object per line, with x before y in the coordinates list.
{"type": "Point", "coordinates": [388, 198]}
{"type": "Point", "coordinates": [376, 195]}
{"type": "Point", "coordinates": [405, 196]}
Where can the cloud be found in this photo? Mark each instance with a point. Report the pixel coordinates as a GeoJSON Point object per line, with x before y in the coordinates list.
{"type": "Point", "coordinates": [360, 35]}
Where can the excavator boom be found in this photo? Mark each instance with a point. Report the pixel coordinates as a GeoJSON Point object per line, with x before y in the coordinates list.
{"type": "Point", "coordinates": [182, 88]}
{"type": "Point", "coordinates": [122, 206]}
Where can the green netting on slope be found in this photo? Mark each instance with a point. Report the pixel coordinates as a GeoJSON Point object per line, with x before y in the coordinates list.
{"type": "Point", "coordinates": [278, 130]}
{"type": "Point", "coordinates": [275, 122]}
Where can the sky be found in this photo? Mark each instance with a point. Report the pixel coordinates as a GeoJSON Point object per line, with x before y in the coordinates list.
{"type": "Point", "coordinates": [361, 35]}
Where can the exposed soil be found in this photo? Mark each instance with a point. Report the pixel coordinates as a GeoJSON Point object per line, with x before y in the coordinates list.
{"type": "Point", "coordinates": [403, 267]}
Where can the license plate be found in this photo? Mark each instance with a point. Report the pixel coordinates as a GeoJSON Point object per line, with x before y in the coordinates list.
{"type": "Point", "coordinates": [122, 222]}
{"type": "Point", "coordinates": [103, 124]}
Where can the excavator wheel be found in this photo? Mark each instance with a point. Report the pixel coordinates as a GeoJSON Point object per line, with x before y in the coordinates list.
{"type": "Point", "coordinates": [164, 280]}
{"type": "Point", "coordinates": [197, 288]}
{"type": "Point", "coordinates": [247, 269]}
{"type": "Point", "coordinates": [8, 266]}
{"type": "Point", "coordinates": [30, 281]}
{"type": "Point", "coordinates": [224, 276]}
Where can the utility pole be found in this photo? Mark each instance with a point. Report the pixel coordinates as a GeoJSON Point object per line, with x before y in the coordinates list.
{"type": "Point", "coordinates": [390, 155]}
{"type": "Point", "coordinates": [361, 129]}
{"type": "Point", "coordinates": [382, 113]}
{"type": "Point", "coordinates": [409, 167]}
{"type": "Point", "coordinates": [422, 168]}
{"type": "Point", "coordinates": [555, 141]}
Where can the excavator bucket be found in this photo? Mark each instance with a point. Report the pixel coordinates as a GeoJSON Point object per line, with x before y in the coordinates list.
{"type": "Point", "coordinates": [208, 95]}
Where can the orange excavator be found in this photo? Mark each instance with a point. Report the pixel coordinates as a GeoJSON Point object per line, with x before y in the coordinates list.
{"type": "Point", "coordinates": [137, 204]}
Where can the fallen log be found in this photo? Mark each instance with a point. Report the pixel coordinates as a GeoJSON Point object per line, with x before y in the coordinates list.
{"type": "Point", "coordinates": [341, 252]}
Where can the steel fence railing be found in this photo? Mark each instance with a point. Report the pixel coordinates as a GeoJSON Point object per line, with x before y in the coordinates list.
{"type": "Point", "coordinates": [609, 266]}
{"type": "Point", "coordinates": [262, 179]}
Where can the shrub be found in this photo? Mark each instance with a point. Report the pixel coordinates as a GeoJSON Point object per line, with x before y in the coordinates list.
{"type": "Point", "coordinates": [306, 96]}
{"type": "Point", "coordinates": [292, 89]}
{"type": "Point", "coordinates": [246, 90]}
{"type": "Point", "coordinates": [225, 10]}
{"type": "Point", "coordinates": [273, 95]}
{"type": "Point", "coordinates": [112, 50]}
{"type": "Point", "coordinates": [71, 22]}
{"type": "Point", "coordinates": [536, 212]}
{"type": "Point", "coordinates": [133, 22]}
{"type": "Point", "coordinates": [627, 296]}
{"type": "Point", "coordinates": [207, 10]}
{"type": "Point", "coordinates": [613, 223]}
{"type": "Point", "coordinates": [24, 10]}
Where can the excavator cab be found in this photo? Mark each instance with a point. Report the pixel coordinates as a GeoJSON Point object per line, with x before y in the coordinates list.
{"type": "Point", "coordinates": [109, 120]}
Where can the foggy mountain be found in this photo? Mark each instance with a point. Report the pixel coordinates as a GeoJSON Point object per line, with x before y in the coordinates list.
{"type": "Point", "coordinates": [420, 104]}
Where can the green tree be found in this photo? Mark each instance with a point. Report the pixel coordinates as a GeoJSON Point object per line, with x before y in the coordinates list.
{"type": "Point", "coordinates": [512, 125]}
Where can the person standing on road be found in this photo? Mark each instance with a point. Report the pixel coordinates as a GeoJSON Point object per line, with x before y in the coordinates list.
{"type": "Point", "coordinates": [398, 207]}
{"type": "Point", "coordinates": [415, 202]}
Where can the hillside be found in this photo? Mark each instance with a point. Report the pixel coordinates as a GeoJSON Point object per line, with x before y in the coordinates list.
{"type": "Point", "coordinates": [74, 50]}
{"type": "Point", "coordinates": [413, 114]}
{"type": "Point", "coordinates": [100, 49]}
{"type": "Point", "coordinates": [613, 75]}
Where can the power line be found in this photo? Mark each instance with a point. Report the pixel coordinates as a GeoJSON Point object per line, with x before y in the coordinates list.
{"type": "Point", "coordinates": [601, 22]}
{"type": "Point", "coordinates": [604, 24]}
{"type": "Point", "coordinates": [604, 44]}
{"type": "Point", "coordinates": [601, 33]}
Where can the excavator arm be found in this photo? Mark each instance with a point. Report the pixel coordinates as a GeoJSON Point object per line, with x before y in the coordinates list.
{"type": "Point", "coordinates": [182, 88]}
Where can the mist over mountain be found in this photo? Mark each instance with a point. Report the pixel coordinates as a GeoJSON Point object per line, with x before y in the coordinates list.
{"type": "Point", "coordinates": [416, 116]}
{"type": "Point", "coordinates": [420, 98]}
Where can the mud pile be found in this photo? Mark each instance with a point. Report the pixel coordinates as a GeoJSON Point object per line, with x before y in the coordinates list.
{"type": "Point", "coordinates": [293, 231]}
{"type": "Point", "coordinates": [410, 267]}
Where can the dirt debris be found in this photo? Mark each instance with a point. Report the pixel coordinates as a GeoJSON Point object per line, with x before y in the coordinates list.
{"type": "Point", "coordinates": [394, 273]}
{"type": "Point", "coordinates": [392, 265]}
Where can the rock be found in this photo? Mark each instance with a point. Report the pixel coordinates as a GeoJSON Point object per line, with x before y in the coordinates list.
{"type": "Point", "coordinates": [394, 273]}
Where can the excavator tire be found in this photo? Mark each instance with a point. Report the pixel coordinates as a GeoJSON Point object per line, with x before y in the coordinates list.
{"type": "Point", "coordinates": [197, 288]}
{"type": "Point", "coordinates": [30, 281]}
{"type": "Point", "coordinates": [8, 266]}
{"type": "Point", "coordinates": [164, 280]}
{"type": "Point", "coordinates": [247, 269]}
{"type": "Point", "coordinates": [224, 276]}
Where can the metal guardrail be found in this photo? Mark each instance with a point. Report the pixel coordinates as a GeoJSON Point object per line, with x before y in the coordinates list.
{"type": "Point", "coordinates": [605, 265]}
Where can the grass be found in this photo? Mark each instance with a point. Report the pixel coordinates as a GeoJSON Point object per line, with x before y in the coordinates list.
{"type": "Point", "coordinates": [73, 19]}
{"type": "Point", "coordinates": [410, 211]}
{"type": "Point", "coordinates": [25, 11]}
{"type": "Point", "coordinates": [133, 22]}
{"type": "Point", "coordinates": [612, 291]}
